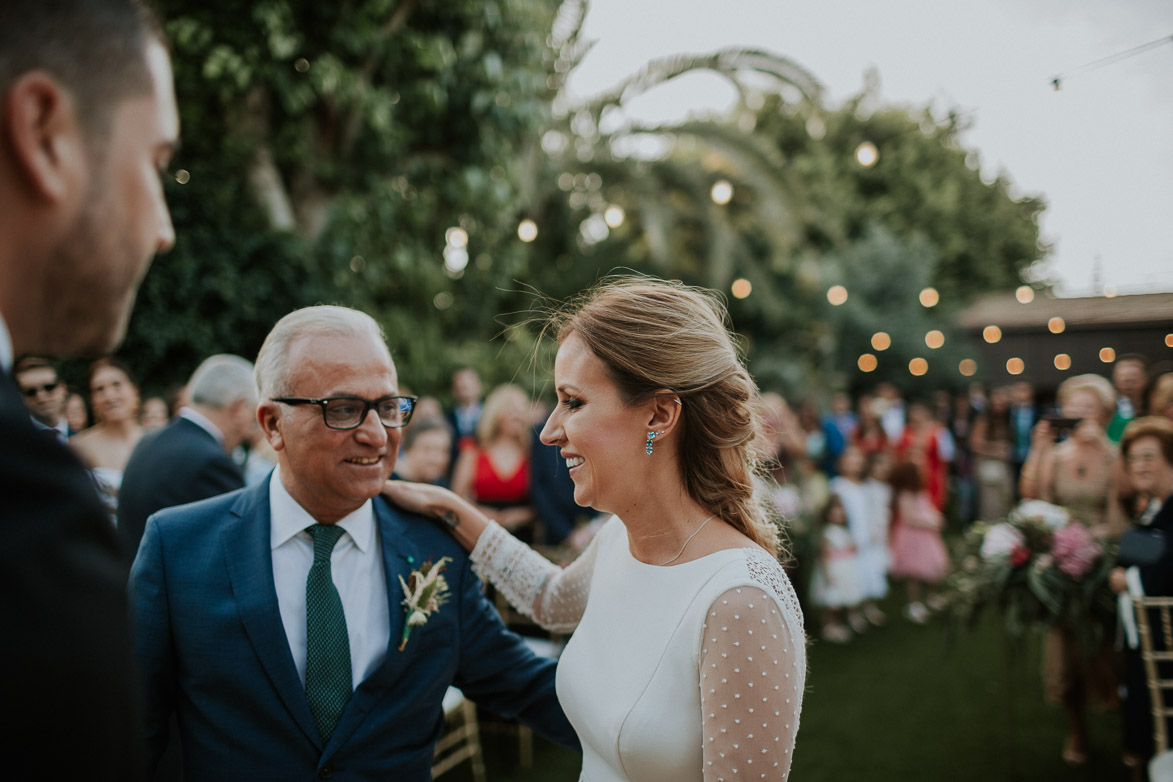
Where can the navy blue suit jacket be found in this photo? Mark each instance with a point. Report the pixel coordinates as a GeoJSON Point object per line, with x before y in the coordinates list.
{"type": "Point", "coordinates": [212, 647]}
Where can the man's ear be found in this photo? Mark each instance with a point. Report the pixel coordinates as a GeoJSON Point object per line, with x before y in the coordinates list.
{"type": "Point", "coordinates": [46, 136]}
{"type": "Point", "coordinates": [663, 412]}
{"type": "Point", "coordinates": [271, 424]}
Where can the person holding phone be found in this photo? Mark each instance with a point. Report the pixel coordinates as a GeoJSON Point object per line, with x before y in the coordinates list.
{"type": "Point", "coordinates": [1078, 473]}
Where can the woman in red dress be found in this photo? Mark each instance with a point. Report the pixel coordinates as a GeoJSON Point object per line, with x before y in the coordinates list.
{"type": "Point", "coordinates": [494, 473]}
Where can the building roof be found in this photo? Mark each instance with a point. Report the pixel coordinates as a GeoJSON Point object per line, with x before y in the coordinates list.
{"type": "Point", "coordinates": [1005, 311]}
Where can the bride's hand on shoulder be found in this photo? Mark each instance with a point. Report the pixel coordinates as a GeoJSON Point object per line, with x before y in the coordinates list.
{"type": "Point", "coordinates": [462, 519]}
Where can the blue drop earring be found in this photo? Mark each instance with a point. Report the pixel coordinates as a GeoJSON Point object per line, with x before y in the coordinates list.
{"type": "Point", "coordinates": [648, 444]}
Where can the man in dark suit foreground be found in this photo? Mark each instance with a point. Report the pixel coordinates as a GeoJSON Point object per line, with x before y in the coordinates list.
{"type": "Point", "coordinates": [274, 619]}
{"type": "Point", "coordinates": [87, 122]}
{"type": "Point", "coordinates": [188, 460]}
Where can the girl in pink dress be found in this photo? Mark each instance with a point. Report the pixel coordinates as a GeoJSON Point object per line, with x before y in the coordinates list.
{"type": "Point", "coordinates": [918, 550]}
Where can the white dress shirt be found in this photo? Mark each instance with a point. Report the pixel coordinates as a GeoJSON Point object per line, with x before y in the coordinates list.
{"type": "Point", "coordinates": [357, 567]}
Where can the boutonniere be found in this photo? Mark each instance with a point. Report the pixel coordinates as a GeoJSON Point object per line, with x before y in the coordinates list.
{"type": "Point", "coordinates": [424, 591]}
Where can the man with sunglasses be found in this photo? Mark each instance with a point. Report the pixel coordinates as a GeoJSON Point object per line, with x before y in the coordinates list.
{"type": "Point", "coordinates": [44, 394]}
{"type": "Point", "coordinates": [273, 620]}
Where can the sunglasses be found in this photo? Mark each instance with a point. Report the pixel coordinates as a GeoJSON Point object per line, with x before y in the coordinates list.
{"type": "Point", "coordinates": [48, 388]}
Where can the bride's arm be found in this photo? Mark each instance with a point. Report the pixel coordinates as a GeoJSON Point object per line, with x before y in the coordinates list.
{"type": "Point", "coordinates": [554, 597]}
{"type": "Point", "coordinates": [752, 672]}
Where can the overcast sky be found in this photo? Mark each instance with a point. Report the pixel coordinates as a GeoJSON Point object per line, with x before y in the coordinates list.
{"type": "Point", "coordinates": [1100, 150]}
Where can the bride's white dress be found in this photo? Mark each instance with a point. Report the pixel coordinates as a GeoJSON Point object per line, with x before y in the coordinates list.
{"type": "Point", "coordinates": [687, 672]}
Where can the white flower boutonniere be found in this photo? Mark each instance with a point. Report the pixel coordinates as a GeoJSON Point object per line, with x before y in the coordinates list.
{"type": "Point", "coordinates": [424, 591]}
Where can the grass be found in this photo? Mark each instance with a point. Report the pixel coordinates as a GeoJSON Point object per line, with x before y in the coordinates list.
{"type": "Point", "coordinates": [900, 703]}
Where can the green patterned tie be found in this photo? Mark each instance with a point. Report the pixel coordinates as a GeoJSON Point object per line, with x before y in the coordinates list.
{"type": "Point", "coordinates": [327, 653]}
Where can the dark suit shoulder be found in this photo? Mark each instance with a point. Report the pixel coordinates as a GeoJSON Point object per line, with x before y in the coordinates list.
{"type": "Point", "coordinates": [429, 535]}
{"type": "Point", "coordinates": [207, 516]}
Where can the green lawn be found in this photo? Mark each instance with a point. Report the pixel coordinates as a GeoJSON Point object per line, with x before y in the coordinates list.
{"type": "Point", "coordinates": [899, 704]}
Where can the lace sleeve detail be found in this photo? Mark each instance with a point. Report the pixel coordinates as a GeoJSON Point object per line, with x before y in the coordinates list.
{"type": "Point", "coordinates": [554, 597]}
{"type": "Point", "coordinates": [753, 671]}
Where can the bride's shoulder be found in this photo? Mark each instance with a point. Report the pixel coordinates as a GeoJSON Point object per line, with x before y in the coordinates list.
{"type": "Point", "coordinates": [756, 568]}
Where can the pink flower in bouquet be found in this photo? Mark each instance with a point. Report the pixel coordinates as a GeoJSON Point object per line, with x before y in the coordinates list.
{"type": "Point", "coordinates": [1075, 550]}
{"type": "Point", "coordinates": [1001, 541]}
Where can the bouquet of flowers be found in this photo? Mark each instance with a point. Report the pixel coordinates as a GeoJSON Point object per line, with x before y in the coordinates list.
{"type": "Point", "coordinates": [1039, 569]}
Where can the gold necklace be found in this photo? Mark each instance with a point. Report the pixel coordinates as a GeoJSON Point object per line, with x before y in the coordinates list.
{"type": "Point", "coordinates": [689, 540]}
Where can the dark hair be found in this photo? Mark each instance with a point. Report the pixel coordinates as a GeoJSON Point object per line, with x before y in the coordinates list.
{"type": "Point", "coordinates": [29, 363]}
{"type": "Point", "coordinates": [114, 363]}
{"type": "Point", "coordinates": [1135, 358]}
{"type": "Point", "coordinates": [906, 476]}
{"type": "Point", "coordinates": [833, 502]}
{"type": "Point", "coordinates": [96, 49]}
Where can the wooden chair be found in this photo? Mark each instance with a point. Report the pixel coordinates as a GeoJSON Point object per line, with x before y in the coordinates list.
{"type": "Point", "coordinates": [461, 739]}
{"type": "Point", "coordinates": [1156, 650]}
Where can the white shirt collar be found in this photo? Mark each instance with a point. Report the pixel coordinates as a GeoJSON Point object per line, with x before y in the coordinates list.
{"type": "Point", "coordinates": [289, 518]}
{"type": "Point", "coordinates": [202, 421]}
{"type": "Point", "coordinates": [5, 347]}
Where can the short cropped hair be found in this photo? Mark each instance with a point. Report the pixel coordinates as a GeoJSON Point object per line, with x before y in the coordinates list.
{"type": "Point", "coordinates": [274, 372]}
{"type": "Point", "coordinates": [29, 363]}
{"type": "Point", "coordinates": [96, 49]}
{"type": "Point", "coordinates": [221, 381]}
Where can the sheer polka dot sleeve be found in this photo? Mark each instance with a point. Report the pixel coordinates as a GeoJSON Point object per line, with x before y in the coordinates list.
{"type": "Point", "coordinates": [752, 674]}
{"type": "Point", "coordinates": [554, 597]}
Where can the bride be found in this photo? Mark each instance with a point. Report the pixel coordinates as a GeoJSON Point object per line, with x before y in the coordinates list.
{"type": "Point", "coordinates": [688, 657]}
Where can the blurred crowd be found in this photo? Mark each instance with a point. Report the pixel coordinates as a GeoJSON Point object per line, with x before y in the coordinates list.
{"type": "Point", "coordinates": [873, 485]}
{"type": "Point", "coordinates": [868, 487]}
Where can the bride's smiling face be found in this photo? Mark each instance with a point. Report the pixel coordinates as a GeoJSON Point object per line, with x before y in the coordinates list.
{"type": "Point", "coordinates": [599, 434]}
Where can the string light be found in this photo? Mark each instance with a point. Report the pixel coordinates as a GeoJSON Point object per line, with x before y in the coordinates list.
{"type": "Point", "coordinates": [527, 230]}
{"type": "Point", "coordinates": [722, 192]}
{"type": "Point", "coordinates": [741, 288]}
{"type": "Point", "coordinates": [934, 339]}
{"type": "Point", "coordinates": [1107, 355]}
{"type": "Point", "coordinates": [867, 362]}
{"type": "Point", "coordinates": [182, 176]}
{"type": "Point", "coordinates": [1169, 340]}
{"type": "Point", "coordinates": [1025, 294]}
{"type": "Point", "coordinates": [929, 297]}
{"type": "Point", "coordinates": [967, 367]}
{"type": "Point", "coordinates": [1062, 362]}
{"type": "Point", "coordinates": [881, 340]}
{"type": "Point", "coordinates": [1015, 366]}
{"type": "Point", "coordinates": [866, 154]}
{"type": "Point", "coordinates": [1056, 325]}
{"type": "Point", "coordinates": [991, 334]}
{"type": "Point", "coordinates": [918, 367]}
{"type": "Point", "coordinates": [837, 295]}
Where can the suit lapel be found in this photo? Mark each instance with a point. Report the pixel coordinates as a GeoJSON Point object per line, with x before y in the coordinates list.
{"type": "Point", "coordinates": [248, 554]}
{"type": "Point", "coordinates": [400, 557]}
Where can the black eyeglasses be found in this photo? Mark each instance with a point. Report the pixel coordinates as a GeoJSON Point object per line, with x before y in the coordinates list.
{"type": "Point", "coordinates": [48, 388]}
{"type": "Point", "coordinates": [348, 412]}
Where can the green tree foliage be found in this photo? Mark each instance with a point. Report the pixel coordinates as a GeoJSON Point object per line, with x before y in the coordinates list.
{"type": "Point", "coordinates": [328, 148]}
{"type": "Point", "coordinates": [381, 154]}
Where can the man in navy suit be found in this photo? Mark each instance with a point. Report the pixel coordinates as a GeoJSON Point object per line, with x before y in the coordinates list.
{"type": "Point", "coordinates": [188, 460]}
{"type": "Point", "coordinates": [273, 619]}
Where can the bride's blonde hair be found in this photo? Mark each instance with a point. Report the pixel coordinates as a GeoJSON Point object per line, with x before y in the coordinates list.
{"type": "Point", "coordinates": [653, 334]}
